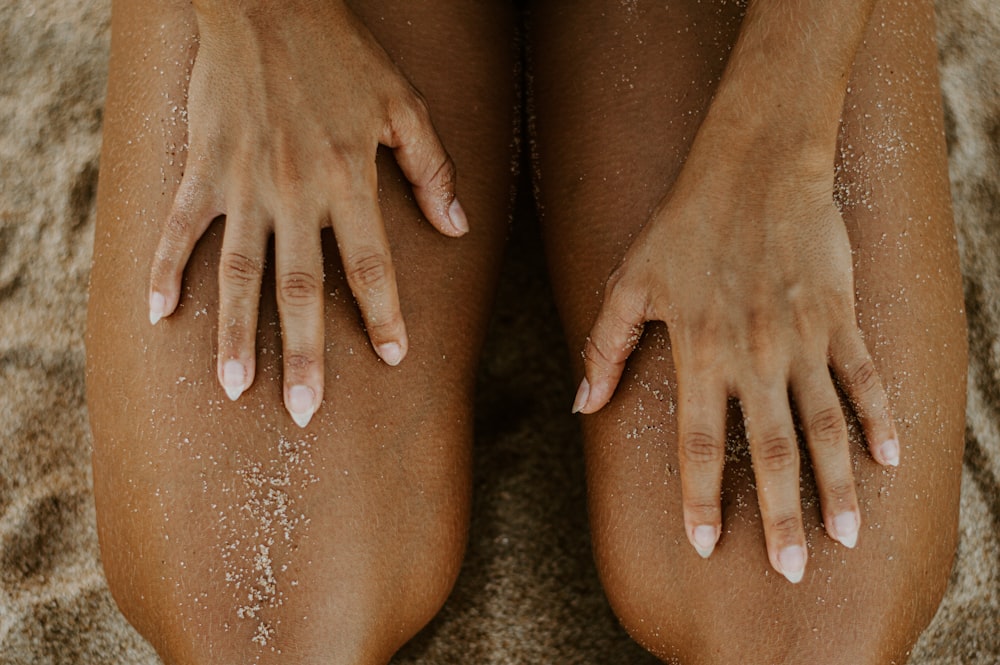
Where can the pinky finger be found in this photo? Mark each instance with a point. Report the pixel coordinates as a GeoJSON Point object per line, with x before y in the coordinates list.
{"type": "Point", "coordinates": [192, 212]}
{"type": "Point", "coordinates": [857, 374]}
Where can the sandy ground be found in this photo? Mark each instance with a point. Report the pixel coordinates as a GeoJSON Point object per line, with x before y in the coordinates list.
{"type": "Point", "coordinates": [528, 592]}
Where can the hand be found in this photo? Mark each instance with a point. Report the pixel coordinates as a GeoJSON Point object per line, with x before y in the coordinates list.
{"type": "Point", "coordinates": [286, 110]}
{"type": "Point", "coordinates": [748, 262]}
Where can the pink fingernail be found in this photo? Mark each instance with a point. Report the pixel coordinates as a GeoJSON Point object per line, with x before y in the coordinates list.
{"type": "Point", "coordinates": [582, 393]}
{"type": "Point", "coordinates": [457, 215]}
{"type": "Point", "coordinates": [889, 450]}
{"type": "Point", "coordinates": [157, 304]}
{"type": "Point", "coordinates": [234, 379]}
{"type": "Point", "coordinates": [391, 353]}
{"type": "Point", "coordinates": [301, 404]}
{"type": "Point", "coordinates": [845, 529]}
{"type": "Point", "coordinates": [705, 537]}
{"type": "Point", "coordinates": [792, 561]}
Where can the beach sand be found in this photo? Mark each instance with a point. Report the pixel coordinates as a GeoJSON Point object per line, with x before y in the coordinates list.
{"type": "Point", "coordinates": [528, 592]}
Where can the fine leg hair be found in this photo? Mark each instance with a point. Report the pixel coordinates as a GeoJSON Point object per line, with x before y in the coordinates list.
{"type": "Point", "coordinates": [228, 534]}
{"type": "Point", "coordinates": [619, 90]}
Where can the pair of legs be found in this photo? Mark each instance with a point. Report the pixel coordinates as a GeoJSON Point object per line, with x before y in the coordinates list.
{"type": "Point", "coordinates": [229, 535]}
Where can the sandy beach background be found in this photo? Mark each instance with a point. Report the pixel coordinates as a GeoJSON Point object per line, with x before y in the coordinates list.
{"type": "Point", "coordinates": [528, 592]}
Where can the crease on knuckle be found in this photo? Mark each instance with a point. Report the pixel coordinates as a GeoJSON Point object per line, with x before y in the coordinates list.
{"type": "Point", "coordinates": [839, 494]}
{"type": "Point", "coordinates": [240, 270]}
{"type": "Point", "coordinates": [383, 326]}
{"type": "Point", "coordinates": [367, 270]}
{"type": "Point", "coordinates": [616, 288]}
{"type": "Point", "coordinates": [414, 108]}
{"type": "Point", "coordinates": [299, 288]}
{"type": "Point", "coordinates": [827, 428]}
{"type": "Point", "coordinates": [702, 509]}
{"type": "Point", "coordinates": [178, 227]}
{"type": "Point", "coordinates": [864, 377]}
{"type": "Point", "coordinates": [594, 354]}
{"type": "Point", "coordinates": [786, 527]}
{"type": "Point", "coordinates": [299, 362]}
{"type": "Point", "coordinates": [443, 175]}
{"type": "Point", "coordinates": [777, 453]}
{"type": "Point", "coordinates": [407, 111]}
{"type": "Point", "coordinates": [701, 448]}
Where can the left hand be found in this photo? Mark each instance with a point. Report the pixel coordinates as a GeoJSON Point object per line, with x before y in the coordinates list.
{"type": "Point", "coordinates": [748, 262]}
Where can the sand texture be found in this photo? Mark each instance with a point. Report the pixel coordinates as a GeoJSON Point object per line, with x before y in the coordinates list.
{"type": "Point", "coordinates": [528, 592]}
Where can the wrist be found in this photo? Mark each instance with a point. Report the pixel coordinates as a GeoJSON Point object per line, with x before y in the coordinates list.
{"type": "Point", "coordinates": [768, 141]}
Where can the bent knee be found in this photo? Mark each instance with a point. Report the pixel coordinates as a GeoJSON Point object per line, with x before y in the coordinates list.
{"type": "Point", "coordinates": [731, 608]}
{"type": "Point", "coordinates": [358, 606]}
{"type": "Point", "coordinates": [239, 556]}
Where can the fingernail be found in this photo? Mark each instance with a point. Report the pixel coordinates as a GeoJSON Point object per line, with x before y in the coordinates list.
{"type": "Point", "coordinates": [845, 529]}
{"type": "Point", "coordinates": [391, 353]}
{"type": "Point", "coordinates": [234, 378]}
{"type": "Point", "coordinates": [157, 303]}
{"type": "Point", "coordinates": [705, 538]}
{"type": "Point", "coordinates": [889, 451]}
{"type": "Point", "coordinates": [301, 404]}
{"type": "Point", "coordinates": [792, 561]}
{"type": "Point", "coordinates": [582, 393]}
{"type": "Point", "coordinates": [457, 216]}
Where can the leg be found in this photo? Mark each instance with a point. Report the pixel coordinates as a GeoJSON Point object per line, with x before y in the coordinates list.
{"type": "Point", "coordinates": [228, 534]}
{"type": "Point", "coordinates": [619, 90]}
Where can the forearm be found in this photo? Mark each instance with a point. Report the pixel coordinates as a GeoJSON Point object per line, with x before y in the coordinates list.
{"type": "Point", "coordinates": [784, 85]}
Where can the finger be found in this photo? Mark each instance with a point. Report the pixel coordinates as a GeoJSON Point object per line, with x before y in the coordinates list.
{"type": "Point", "coordinates": [822, 420]}
{"type": "Point", "coordinates": [426, 164]}
{"type": "Point", "coordinates": [299, 263]}
{"type": "Point", "coordinates": [364, 251]}
{"type": "Point", "coordinates": [853, 366]}
{"type": "Point", "coordinates": [241, 269]}
{"type": "Point", "coordinates": [775, 458]}
{"type": "Point", "coordinates": [615, 333]}
{"type": "Point", "coordinates": [193, 210]}
{"type": "Point", "coordinates": [701, 419]}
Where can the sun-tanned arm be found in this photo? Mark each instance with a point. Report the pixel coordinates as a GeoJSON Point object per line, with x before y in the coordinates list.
{"type": "Point", "coordinates": [748, 261]}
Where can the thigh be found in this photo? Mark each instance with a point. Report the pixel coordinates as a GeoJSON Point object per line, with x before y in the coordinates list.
{"type": "Point", "coordinates": [619, 91]}
{"type": "Point", "coordinates": [228, 534]}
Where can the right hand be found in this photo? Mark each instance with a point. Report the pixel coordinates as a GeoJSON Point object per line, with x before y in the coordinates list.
{"type": "Point", "coordinates": [286, 109]}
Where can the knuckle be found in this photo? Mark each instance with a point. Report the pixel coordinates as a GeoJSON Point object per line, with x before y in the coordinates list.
{"type": "Point", "coordinates": [827, 427]}
{"type": "Point", "coordinates": [241, 270]}
{"type": "Point", "coordinates": [299, 288]}
{"type": "Point", "coordinates": [777, 453]}
{"type": "Point", "coordinates": [407, 112]}
{"type": "Point", "coordinates": [616, 288]}
{"type": "Point", "coordinates": [299, 361]}
{"type": "Point", "coordinates": [839, 493]}
{"type": "Point", "coordinates": [700, 447]}
{"type": "Point", "coordinates": [367, 270]}
{"type": "Point", "coordinates": [416, 107]}
{"type": "Point", "coordinates": [701, 509]}
{"type": "Point", "coordinates": [381, 327]}
{"type": "Point", "coordinates": [786, 527]}
{"type": "Point", "coordinates": [178, 226]}
{"type": "Point", "coordinates": [595, 353]}
{"type": "Point", "coordinates": [445, 173]}
{"type": "Point", "coordinates": [864, 376]}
